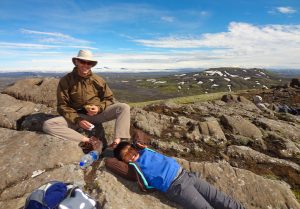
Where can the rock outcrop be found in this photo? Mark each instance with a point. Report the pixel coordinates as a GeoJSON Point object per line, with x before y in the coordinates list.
{"type": "Point", "coordinates": [249, 155]}
{"type": "Point", "coordinates": [38, 90]}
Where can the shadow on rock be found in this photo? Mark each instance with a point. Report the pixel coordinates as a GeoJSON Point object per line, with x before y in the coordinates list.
{"type": "Point", "coordinates": [33, 122]}
{"type": "Point", "coordinates": [133, 187]}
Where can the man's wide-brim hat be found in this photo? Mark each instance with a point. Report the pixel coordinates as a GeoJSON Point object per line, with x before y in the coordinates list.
{"type": "Point", "coordinates": [85, 55]}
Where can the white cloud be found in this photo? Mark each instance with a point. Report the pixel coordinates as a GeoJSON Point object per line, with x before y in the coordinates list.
{"type": "Point", "coordinates": [54, 37]}
{"type": "Point", "coordinates": [239, 35]}
{"type": "Point", "coordinates": [13, 45]}
{"type": "Point", "coordinates": [167, 19]}
{"type": "Point", "coordinates": [242, 45]}
{"type": "Point", "coordinates": [286, 10]}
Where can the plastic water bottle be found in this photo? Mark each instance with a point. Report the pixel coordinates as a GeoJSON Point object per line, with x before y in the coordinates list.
{"type": "Point", "coordinates": [88, 159]}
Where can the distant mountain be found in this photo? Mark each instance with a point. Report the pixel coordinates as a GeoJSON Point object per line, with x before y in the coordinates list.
{"type": "Point", "coordinates": [136, 87]}
{"type": "Point", "coordinates": [29, 74]}
{"type": "Point", "coordinates": [130, 73]}
{"type": "Point", "coordinates": [288, 72]}
{"type": "Point", "coordinates": [214, 80]}
{"type": "Point", "coordinates": [122, 73]}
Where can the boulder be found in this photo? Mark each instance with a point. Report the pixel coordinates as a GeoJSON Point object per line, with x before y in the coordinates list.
{"type": "Point", "coordinates": [295, 83]}
{"type": "Point", "coordinates": [218, 108]}
{"type": "Point", "coordinates": [289, 131]}
{"type": "Point", "coordinates": [13, 111]}
{"type": "Point", "coordinates": [257, 143]}
{"type": "Point", "coordinates": [212, 131]}
{"type": "Point", "coordinates": [241, 126]}
{"type": "Point", "coordinates": [116, 192]}
{"type": "Point", "coordinates": [228, 98]}
{"type": "Point", "coordinates": [151, 122]}
{"type": "Point", "coordinates": [24, 152]}
{"type": "Point", "coordinates": [283, 147]}
{"type": "Point", "coordinates": [169, 146]}
{"type": "Point", "coordinates": [245, 186]}
{"type": "Point", "coordinates": [193, 134]}
{"type": "Point", "coordinates": [38, 90]}
{"type": "Point", "coordinates": [250, 155]}
{"type": "Point", "coordinates": [15, 195]}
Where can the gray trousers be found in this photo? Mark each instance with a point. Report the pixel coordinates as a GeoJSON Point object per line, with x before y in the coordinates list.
{"type": "Point", "coordinates": [194, 193]}
{"type": "Point", "coordinates": [59, 127]}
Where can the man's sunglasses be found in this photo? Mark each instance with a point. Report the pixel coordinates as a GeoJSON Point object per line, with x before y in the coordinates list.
{"type": "Point", "coordinates": [85, 62]}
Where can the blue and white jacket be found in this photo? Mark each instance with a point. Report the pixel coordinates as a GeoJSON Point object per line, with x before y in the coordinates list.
{"type": "Point", "coordinates": [155, 170]}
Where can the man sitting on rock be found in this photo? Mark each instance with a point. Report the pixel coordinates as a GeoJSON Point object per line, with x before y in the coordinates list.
{"type": "Point", "coordinates": [166, 175]}
{"type": "Point", "coordinates": [83, 100]}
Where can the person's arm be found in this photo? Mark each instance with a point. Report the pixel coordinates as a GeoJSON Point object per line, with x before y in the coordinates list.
{"type": "Point", "coordinates": [142, 183]}
{"type": "Point", "coordinates": [63, 104]}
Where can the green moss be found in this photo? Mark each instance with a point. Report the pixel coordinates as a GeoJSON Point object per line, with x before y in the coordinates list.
{"type": "Point", "coordinates": [272, 177]}
{"type": "Point", "coordinates": [297, 194]}
{"type": "Point", "coordinates": [168, 88]}
{"type": "Point", "coordinates": [183, 100]}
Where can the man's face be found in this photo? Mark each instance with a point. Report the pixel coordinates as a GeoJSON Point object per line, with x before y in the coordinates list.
{"type": "Point", "coordinates": [83, 67]}
{"type": "Point", "coordinates": [129, 154]}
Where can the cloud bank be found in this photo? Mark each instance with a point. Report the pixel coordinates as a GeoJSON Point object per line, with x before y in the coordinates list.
{"type": "Point", "coordinates": [241, 45]}
{"type": "Point", "coordinates": [286, 10]}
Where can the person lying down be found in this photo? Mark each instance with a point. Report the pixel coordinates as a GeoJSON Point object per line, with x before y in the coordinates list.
{"type": "Point", "coordinates": [164, 174]}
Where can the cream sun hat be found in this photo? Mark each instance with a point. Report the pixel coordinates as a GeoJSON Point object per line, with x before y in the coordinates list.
{"type": "Point", "coordinates": [85, 55]}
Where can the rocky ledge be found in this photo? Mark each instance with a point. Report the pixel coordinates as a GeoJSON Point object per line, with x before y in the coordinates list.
{"type": "Point", "coordinates": [251, 155]}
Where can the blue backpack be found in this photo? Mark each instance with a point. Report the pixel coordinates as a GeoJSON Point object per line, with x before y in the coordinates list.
{"type": "Point", "coordinates": [56, 195]}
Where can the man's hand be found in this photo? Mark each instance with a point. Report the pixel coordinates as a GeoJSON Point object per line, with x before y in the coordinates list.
{"type": "Point", "coordinates": [92, 109]}
{"type": "Point", "coordinates": [85, 124]}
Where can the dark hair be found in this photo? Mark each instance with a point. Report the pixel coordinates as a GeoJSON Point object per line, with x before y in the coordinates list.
{"type": "Point", "coordinates": [118, 149]}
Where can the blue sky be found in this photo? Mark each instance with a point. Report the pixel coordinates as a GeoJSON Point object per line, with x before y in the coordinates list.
{"type": "Point", "coordinates": [142, 35]}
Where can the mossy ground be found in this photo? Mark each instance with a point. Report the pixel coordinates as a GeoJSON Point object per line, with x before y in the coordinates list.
{"type": "Point", "coordinates": [297, 194]}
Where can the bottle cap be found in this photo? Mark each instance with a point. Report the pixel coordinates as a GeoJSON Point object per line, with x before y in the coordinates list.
{"type": "Point", "coordinates": [81, 164]}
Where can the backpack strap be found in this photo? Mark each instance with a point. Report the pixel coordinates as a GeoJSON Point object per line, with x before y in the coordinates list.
{"type": "Point", "coordinates": [71, 190]}
{"type": "Point", "coordinates": [75, 195]}
{"type": "Point", "coordinates": [37, 196]}
{"type": "Point", "coordinates": [142, 182]}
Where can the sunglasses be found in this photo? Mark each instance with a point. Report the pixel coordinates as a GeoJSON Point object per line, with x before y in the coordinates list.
{"type": "Point", "coordinates": [85, 62]}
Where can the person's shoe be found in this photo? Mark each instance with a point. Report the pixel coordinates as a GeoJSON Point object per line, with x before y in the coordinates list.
{"type": "Point", "coordinates": [96, 144]}
{"type": "Point", "coordinates": [86, 147]}
{"type": "Point", "coordinates": [113, 145]}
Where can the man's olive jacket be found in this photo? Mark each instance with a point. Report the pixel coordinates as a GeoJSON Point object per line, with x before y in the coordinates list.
{"type": "Point", "coordinates": [74, 92]}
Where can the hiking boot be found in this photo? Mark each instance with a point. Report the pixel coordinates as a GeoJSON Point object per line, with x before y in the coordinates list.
{"type": "Point", "coordinates": [86, 147]}
{"type": "Point", "coordinates": [114, 144]}
{"type": "Point", "coordinates": [96, 144]}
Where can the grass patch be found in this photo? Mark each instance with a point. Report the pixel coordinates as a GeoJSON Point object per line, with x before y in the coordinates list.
{"type": "Point", "coordinates": [271, 177]}
{"type": "Point", "coordinates": [297, 194]}
{"type": "Point", "coordinates": [183, 100]}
